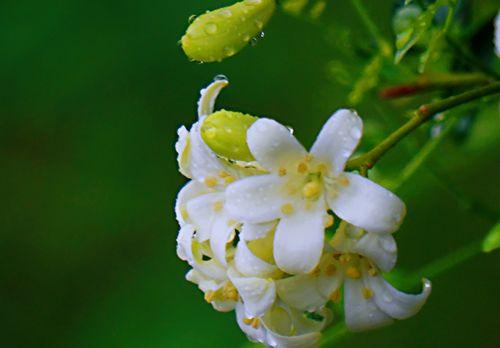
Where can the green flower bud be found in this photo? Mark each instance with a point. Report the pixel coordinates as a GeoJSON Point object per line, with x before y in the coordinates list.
{"type": "Point", "coordinates": [225, 132]}
{"type": "Point", "coordinates": [492, 240]}
{"type": "Point", "coordinates": [221, 33]}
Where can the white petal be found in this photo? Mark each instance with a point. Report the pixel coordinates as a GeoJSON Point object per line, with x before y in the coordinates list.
{"type": "Point", "coordinates": [222, 229]}
{"type": "Point", "coordinates": [338, 139]}
{"type": "Point", "coordinates": [298, 242]}
{"type": "Point", "coordinates": [395, 303]}
{"type": "Point", "coordinates": [184, 243]}
{"type": "Point", "coordinates": [272, 144]}
{"type": "Point", "coordinates": [309, 340]}
{"type": "Point", "coordinates": [252, 266]}
{"type": "Point", "coordinates": [254, 334]}
{"type": "Point", "coordinates": [251, 231]}
{"type": "Point", "coordinates": [204, 163]}
{"type": "Point", "coordinates": [191, 190]}
{"type": "Point", "coordinates": [301, 291]}
{"type": "Point", "coordinates": [258, 294]}
{"type": "Point", "coordinates": [255, 199]}
{"type": "Point", "coordinates": [497, 34]}
{"type": "Point", "coordinates": [182, 148]}
{"type": "Point", "coordinates": [208, 96]}
{"type": "Point", "coordinates": [361, 314]}
{"type": "Point", "coordinates": [201, 213]}
{"type": "Point", "coordinates": [366, 204]}
{"type": "Point", "coordinates": [223, 306]}
{"type": "Point", "coordinates": [379, 248]}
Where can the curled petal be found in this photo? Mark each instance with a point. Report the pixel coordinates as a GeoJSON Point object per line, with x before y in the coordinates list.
{"type": "Point", "coordinates": [222, 230]}
{"type": "Point", "coordinates": [272, 144]}
{"type": "Point", "coordinates": [258, 294]}
{"type": "Point", "coordinates": [395, 303]}
{"type": "Point", "coordinates": [298, 242]}
{"type": "Point", "coordinates": [208, 96]}
{"type": "Point", "coordinates": [191, 190]}
{"type": "Point", "coordinates": [250, 265]}
{"type": "Point", "coordinates": [361, 313]}
{"type": "Point", "coordinates": [366, 204]}
{"type": "Point", "coordinates": [184, 244]}
{"type": "Point", "coordinates": [256, 334]}
{"type": "Point", "coordinates": [338, 139]}
{"type": "Point", "coordinates": [255, 199]}
{"type": "Point", "coordinates": [251, 231]}
{"type": "Point", "coordinates": [301, 291]}
{"type": "Point", "coordinates": [201, 213]}
{"type": "Point", "coordinates": [379, 248]}
{"type": "Point", "coordinates": [182, 149]}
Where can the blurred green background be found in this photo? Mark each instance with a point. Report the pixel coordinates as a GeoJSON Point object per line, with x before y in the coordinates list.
{"type": "Point", "coordinates": [92, 93]}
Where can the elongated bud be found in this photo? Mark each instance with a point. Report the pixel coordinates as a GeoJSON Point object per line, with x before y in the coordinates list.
{"type": "Point", "coordinates": [221, 33]}
{"type": "Point", "coordinates": [225, 132]}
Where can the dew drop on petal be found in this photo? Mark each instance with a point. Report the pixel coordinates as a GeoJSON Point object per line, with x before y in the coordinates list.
{"type": "Point", "coordinates": [211, 28]}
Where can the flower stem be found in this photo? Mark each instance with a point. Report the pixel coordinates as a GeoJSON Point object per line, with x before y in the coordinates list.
{"type": "Point", "coordinates": [432, 82]}
{"type": "Point", "coordinates": [422, 115]}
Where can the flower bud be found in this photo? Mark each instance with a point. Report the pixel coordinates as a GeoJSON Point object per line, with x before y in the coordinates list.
{"type": "Point", "coordinates": [221, 33]}
{"type": "Point", "coordinates": [492, 240]}
{"type": "Point", "coordinates": [225, 132]}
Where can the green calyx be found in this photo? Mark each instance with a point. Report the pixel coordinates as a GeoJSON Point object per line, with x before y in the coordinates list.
{"type": "Point", "coordinates": [225, 132]}
{"type": "Point", "coordinates": [222, 33]}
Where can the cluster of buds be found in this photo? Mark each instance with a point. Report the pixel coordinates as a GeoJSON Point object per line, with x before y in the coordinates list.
{"type": "Point", "coordinates": [278, 233]}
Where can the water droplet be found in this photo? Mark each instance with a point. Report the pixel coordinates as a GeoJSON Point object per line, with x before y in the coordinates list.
{"type": "Point", "coordinates": [387, 297]}
{"type": "Point", "coordinates": [211, 28]}
{"type": "Point", "coordinates": [226, 13]}
{"type": "Point", "coordinates": [255, 40]}
{"type": "Point", "coordinates": [221, 77]}
{"type": "Point", "coordinates": [191, 19]}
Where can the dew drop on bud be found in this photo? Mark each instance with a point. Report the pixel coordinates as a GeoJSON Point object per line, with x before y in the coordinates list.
{"type": "Point", "coordinates": [221, 77]}
{"type": "Point", "coordinates": [211, 28]}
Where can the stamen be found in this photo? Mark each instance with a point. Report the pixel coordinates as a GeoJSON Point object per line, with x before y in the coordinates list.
{"type": "Point", "coordinates": [218, 206]}
{"type": "Point", "coordinates": [224, 174]}
{"type": "Point", "coordinates": [287, 208]}
{"type": "Point", "coordinates": [248, 321]}
{"type": "Point", "coordinates": [302, 168]}
{"type": "Point", "coordinates": [229, 292]}
{"type": "Point", "coordinates": [345, 258]}
{"type": "Point", "coordinates": [353, 272]}
{"type": "Point", "coordinates": [373, 272]}
{"type": "Point", "coordinates": [322, 168]}
{"type": "Point", "coordinates": [210, 296]}
{"type": "Point", "coordinates": [311, 190]}
{"type": "Point", "coordinates": [308, 157]}
{"type": "Point", "coordinates": [282, 171]}
{"type": "Point", "coordinates": [210, 181]}
{"type": "Point", "coordinates": [229, 179]}
{"type": "Point", "coordinates": [343, 180]}
{"type": "Point", "coordinates": [255, 323]}
{"type": "Point", "coordinates": [367, 293]}
{"type": "Point", "coordinates": [335, 296]}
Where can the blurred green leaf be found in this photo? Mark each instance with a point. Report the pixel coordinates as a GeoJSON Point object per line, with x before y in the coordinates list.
{"type": "Point", "coordinates": [492, 240]}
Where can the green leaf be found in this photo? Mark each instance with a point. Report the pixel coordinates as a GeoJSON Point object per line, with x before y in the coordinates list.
{"type": "Point", "coordinates": [411, 26]}
{"type": "Point", "coordinates": [492, 240]}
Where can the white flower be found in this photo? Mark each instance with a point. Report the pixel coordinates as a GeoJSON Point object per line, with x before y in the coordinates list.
{"type": "Point", "coordinates": [283, 327]}
{"type": "Point", "coordinates": [369, 301]}
{"type": "Point", "coordinates": [302, 186]}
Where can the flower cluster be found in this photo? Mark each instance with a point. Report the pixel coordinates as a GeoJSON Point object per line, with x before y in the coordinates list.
{"type": "Point", "coordinates": [257, 232]}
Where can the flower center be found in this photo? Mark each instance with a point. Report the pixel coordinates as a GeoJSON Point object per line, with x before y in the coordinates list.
{"type": "Point", "coordinates": [305, 177]}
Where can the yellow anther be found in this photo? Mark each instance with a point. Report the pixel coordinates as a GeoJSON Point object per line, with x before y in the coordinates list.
{"type": "Point", "coordinates": [218, 206]}
{"type": "Point", "coordinates": [343, 180]}
{"type": "Point", "coordinates": [322, 168]}
{"type": "Point", "coordinates": [311, 190]}
{"type": "Point", "coordinates": [302, 167]}
{"type": "Point", "coordinates": [335, 296]}
{"type": "Point", "coordinates": [330, 270]}
{"type": "Point", "coordinates": [255, 323]}
{"type": "Point", "coordinates": [210, 296]}
{"type": "Point", "coordinates": [229, 179]}
{"type": "Point", "coordinates": [248, 321]}
{"type": "Point", "coordinates": [367, 293]}
{"type": "Point", "coordinates": [287, 208]}
{"type": "Point", "coordinates": [224, 174]}
{"type": "Point", "coordinates": [373, 272]}
{"type": "Point", "coordinates": [329, 220]}
{"type": "Point", "coordinates": [282, 171]}
{"type": "Point", "coordinates": [210, 181]}
{"type": "Point", "coordinates": [345, 258]}
{"type": "Point", "coordinates": [308, 157]}
{"type": "Point", "coordinates": [353, 272]}
{"type": "Point", "coordinates": [229, 292]}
